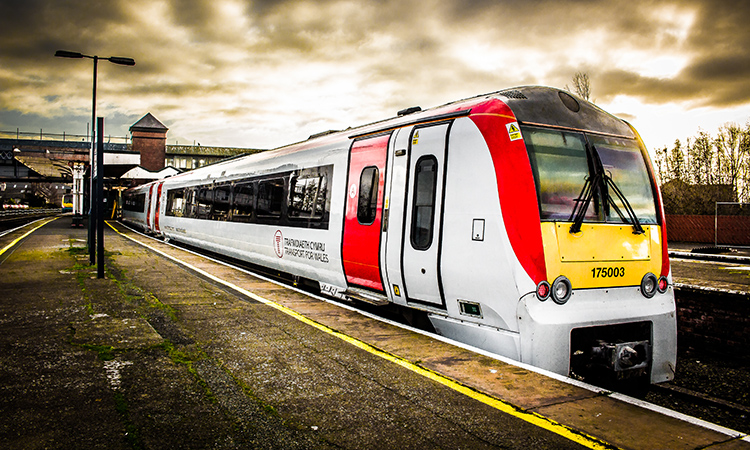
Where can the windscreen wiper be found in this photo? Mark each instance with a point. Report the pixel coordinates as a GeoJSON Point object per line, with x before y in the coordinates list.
{"type": "Point", "coordinates": [583, 201]}
{"type": "Point", "coordinates": [637, 228]}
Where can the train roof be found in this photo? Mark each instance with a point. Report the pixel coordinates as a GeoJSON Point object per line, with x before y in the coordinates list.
{"type": "Point", "coordinates": [556, 107]}
{"type": "Point", "coordinates": [539, 105]}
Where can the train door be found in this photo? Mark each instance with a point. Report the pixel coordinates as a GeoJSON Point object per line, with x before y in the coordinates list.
{"type": "Point", "coordinates": [422, 213]}
{"type": "Point", "coordinates": [360, 249]}
{"type": "Point", "coordinates": [149, 202]}
{"type": "Point", "coordinates": [157, 207]}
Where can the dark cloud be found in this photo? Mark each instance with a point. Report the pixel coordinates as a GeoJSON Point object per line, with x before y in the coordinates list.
{"type": "Point", "coordinates": [657, 90]}
{"type": "Point", "coordinates": [719, 71]}
{"type": "Point", "coordinates": [192, 13]}
{"type": "Point", "coordinates": [36, 28]}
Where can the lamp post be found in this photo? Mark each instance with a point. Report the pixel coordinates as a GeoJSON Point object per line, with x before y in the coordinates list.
{"type": "Point", "coordinates": [93, 200]}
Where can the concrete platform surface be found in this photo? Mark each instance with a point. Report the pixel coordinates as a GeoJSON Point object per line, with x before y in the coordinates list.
{"type": "Point", "coordinates": [729, 272]}
{"type": "Point", "coordinates": [161, 355]}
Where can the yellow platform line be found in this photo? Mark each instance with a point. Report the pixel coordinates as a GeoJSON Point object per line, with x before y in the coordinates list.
{"type": "Point", "coordinates": [9, 246]}
{"type": "Point", "coordinates": [528, 416]}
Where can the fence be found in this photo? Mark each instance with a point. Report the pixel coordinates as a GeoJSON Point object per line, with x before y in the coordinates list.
{"type": "Point", "coordinates": [42, 136]}
{"type": "Point", "coordinates": [722, 229]}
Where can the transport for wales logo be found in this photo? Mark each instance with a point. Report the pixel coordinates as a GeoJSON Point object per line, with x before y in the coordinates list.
{"type": "Point", "coordinates": [278, 243]}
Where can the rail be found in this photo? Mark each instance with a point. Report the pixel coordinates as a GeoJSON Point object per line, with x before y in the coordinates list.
{"type": "Point", "coordinates": [15, 213]}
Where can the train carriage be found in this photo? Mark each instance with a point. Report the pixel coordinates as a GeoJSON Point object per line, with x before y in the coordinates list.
{"type": "Point", "coordinates": [526, 222]}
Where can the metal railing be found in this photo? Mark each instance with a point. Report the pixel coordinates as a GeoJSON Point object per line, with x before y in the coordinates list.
{"type": "Point", "coordinates": [42, 136]}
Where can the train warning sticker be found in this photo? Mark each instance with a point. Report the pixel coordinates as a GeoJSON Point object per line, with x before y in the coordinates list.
{"type": "Point", "coordinates": [514, 133]}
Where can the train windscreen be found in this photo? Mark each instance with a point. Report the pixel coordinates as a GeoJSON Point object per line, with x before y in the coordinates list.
{"type": "Point", "coordinates": [623, 163]}
{"type": "Point", "coordinates": [566, 162]}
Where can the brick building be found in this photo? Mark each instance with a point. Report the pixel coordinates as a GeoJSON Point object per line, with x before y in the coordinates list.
{"type": "Point", "coordinates": [150, 142]}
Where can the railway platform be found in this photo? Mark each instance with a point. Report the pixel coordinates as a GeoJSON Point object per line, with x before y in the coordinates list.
{"type": "Point", "coordinates": [172, 350]}
{"type": "Point", "coordinates": [726, 273]}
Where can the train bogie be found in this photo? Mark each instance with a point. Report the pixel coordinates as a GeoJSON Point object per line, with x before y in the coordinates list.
{"type": "Point", "coordinates": [526, 222]}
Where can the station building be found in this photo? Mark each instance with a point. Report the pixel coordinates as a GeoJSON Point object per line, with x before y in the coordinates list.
{"type": "Point", "coordinates": [36, 162]}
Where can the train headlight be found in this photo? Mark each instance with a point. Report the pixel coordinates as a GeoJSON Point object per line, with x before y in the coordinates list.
{"type": "Point", "coordinates": [649, 285]}
{"type": "Point", "coordinates": [662, 285]}
{"type": "Point", "coordinates": [561, 290]}
{"type": "Point", "coordinates": [543, 291]}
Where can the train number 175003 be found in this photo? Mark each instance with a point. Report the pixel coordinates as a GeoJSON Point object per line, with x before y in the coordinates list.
{"type": "Point", "coordinates": [608, 272]}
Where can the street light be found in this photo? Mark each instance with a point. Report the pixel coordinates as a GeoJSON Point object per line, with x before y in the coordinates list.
{"type": "Point", "coordinates": [93, 206]}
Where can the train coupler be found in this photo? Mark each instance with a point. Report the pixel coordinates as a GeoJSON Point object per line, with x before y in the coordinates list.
{"type": "Point", "coordinates": [625, 359]}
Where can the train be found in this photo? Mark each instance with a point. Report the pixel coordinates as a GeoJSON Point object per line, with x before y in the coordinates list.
{"type": "Point", "coordinates": [67, 203]}
{"type": "Point", "coordinates": [526, 222]}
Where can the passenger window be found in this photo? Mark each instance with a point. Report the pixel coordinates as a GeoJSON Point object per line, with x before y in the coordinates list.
{"type": "Point", "coordinates": [423, 210]}
{"type": "Point", "coordinates": [175, 202]}
{"type": "Point", "coordinates": [367, 204]}
{"type": "Point", "coordinates": [270, 197]}
{"type": "Point", "coordinates": [221, 202]}
{"type": "Point", "coordinates": [308, 195]}
{"type": "Point", "coordinates": [243, 202]}
{"type": "Point", "coordinates": [205, 200]}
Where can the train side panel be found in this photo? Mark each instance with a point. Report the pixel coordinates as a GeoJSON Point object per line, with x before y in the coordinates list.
{"type": "Point", "coordinates": [134, 207]}
{"type": "Point", "coordinates": [480, 271]}
{"type": "Point", "coordinates": [305, 252]}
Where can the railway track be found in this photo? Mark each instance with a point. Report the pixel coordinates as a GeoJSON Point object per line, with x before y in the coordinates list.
{"type": "Point", "coordinates": [10, 219]}
{"type": "Point", "coordinates": [709, 402]}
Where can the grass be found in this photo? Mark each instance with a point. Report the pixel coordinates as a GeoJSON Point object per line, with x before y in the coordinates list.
{"type": "Point", "coordinates": [131, 430]}
{"type": "Point", "coordinates": [105, 352]}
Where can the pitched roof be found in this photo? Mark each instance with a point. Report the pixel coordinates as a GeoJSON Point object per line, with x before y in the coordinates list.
{"type": "Point", "coordinates": [139, 173]}
{"type": "Point", "coordinates": [148, 123]}
{"type": "Point", "coordinates": [45, 167]}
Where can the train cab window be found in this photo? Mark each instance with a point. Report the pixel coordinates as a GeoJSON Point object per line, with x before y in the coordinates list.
{"type": "Point", "coordinates": [560, 163]}
{"type": "Point", "coordinates": [220, 209]}
{"type": "Point", "coordinates": [243, 202]}
{"type": "Point", "coordinates": [622, 160]}
{"type": "Point", "coordinates": [135, 202]}
{"type": "Point", "coordinates": [423, 209]}
{"type": "Point", "coordinates": [176, 202]}
{"type": "Point", "coordinates": [270, 197]}
{"type": "Point", "coordinates": [367, 203]}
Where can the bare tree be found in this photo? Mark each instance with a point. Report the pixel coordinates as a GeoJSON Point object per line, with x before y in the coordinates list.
{"type": "Point", "coordinates": [676, 162]}
{"type": "Point", "coordinates": [730, 153]}
{"type": "Point", "coordinates": [581, 85]}
{"type": "Point", "coordinates": [708, 162]}
{"type": "Point", "coordinates": [700, 159]}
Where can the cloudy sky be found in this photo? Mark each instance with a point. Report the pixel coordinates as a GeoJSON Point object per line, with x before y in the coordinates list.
{"type": "Point", "coordinates": [267, 73]}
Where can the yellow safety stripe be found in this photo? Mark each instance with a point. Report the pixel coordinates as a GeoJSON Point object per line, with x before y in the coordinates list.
{"type": "Point", "coordinates": [9, 246]}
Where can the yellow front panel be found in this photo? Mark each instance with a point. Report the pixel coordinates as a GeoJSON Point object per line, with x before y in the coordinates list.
{"type": "Point", "coordinates": [601, 255]}
{"type": "Point", "coordinates": [601, 242]}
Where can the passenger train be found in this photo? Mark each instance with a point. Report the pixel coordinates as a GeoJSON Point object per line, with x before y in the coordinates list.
{"type": "Point", "coordinates": [527, 222]}
{"type": "Point", "coordinates": [67, 203]}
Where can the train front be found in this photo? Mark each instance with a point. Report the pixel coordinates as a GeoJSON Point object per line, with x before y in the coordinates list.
{"type": "Point", "coordinates": [606, 309]}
